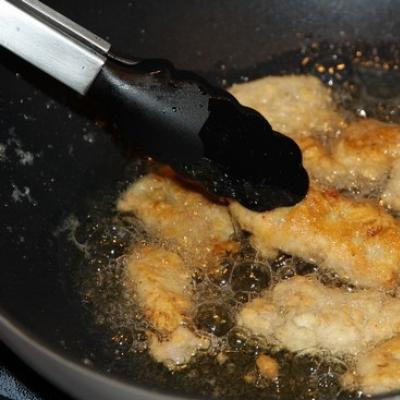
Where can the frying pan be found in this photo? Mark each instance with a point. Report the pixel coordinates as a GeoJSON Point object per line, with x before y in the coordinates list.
{"type": "Point", "coordinates": [53, 157]}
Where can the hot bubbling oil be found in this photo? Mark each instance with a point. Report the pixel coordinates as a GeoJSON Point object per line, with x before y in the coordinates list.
{"type": "Point", "coordinates": [228, 368]}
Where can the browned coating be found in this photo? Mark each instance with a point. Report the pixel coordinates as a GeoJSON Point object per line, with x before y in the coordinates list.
{"type": "Point", "coordinates": [357, 240]}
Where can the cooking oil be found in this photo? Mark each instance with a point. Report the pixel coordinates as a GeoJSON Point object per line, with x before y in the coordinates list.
{"type": "Point", "coordinates": [105, 239]}
{"type": "Point", "coordinates": [228, 370]}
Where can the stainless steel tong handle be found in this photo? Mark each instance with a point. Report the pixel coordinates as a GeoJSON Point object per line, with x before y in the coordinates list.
{"type": "Point", "coordinates": [52, 42]}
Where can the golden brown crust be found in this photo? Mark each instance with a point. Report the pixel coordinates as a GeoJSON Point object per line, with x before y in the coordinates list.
{"type": "Point", "coordinates": [365, 157]}
{"type": "Point", "coordinates": [390, 196]}
{"type": "Point", "coordinates": [377, 371]}
{"type": "Point", "coordinates": [357, 240]}
{"type": "Point", "coordinates": [186, 218]}
{"type": "Point", "coordinates": [367, 148]}
{"type": "Point", "coordinates": [321, 166]}
{"type": "Point", "coordinates": [162, 285]}
{"type": "Point", "coordinates": [295, 105]}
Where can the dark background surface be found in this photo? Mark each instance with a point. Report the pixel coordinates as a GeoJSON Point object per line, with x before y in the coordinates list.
{"type": "Point", "coordinates": [72, 157]}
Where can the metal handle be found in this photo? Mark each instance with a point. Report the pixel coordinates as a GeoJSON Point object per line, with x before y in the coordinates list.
{"type": "Point", "coordinates": [52, 42]}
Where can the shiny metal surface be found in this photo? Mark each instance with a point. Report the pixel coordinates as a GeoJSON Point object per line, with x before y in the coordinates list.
{"type": "Point", "coordinates": [65, 24]}
{"type": "Point", "coordinates": [52, 43]}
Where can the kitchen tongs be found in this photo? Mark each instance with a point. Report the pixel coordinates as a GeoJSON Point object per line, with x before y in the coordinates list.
{"type": "Point", "coordinates": [174, 116]}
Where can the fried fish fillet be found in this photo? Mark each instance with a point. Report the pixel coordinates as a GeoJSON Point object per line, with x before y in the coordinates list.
{"type": "Point", "coordinates": [301, 314]}
{"type": "Point", "coordinates": [295, 105]}
{"type": "Point", "coordinates": [178, 214]}
{"type": "Point", "coordinates": [377, 371]}
{"type": "Point", "coordinates": [358, 241]}
{"type": "Point", "coordinates": [322, 166]}
{"type": "Point", "coordinates": [367, 148]}
{"type": "Point", "coordinates": [366, 157]}
{"type": "Point", "coordinates": [370, 151]}
{"type": "Point", "coordinates": [162, 286]}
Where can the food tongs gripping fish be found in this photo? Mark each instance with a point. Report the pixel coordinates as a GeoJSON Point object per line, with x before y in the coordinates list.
{"type": "Point", "coordinates": [174, 116]}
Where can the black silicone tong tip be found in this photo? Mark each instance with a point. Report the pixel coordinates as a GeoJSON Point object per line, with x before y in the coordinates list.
{"type": "Point", "coordinates": [246, 160]}
{"type": "Point", "coordinates": [202, 132]}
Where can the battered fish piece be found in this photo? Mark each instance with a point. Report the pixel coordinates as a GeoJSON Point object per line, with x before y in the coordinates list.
{"type": "Point", "coordinates": [162, 285]}
{"type": "Point", "coordinates": [178, 214]}
{"type": "Point", "coordinates": [367, 148]}
{"type": "Point", "coordinates": [370, 151]}
{"type": "Point", "coordinates": [366, 156]}
{"type": "Point", "coordinates": [377, 371]}
{"type": "Point", "coordinates": [358, 241]}
{"type": "Point", "coordinates": [322, 167]}
{"type": "Point", "coordinates": [295, 105]}
{"type": "Point", "coordinates": [301, 314]}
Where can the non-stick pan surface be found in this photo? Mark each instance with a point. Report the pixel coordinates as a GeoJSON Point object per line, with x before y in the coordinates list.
{"type": "Point", "coordinates": [53, 156]}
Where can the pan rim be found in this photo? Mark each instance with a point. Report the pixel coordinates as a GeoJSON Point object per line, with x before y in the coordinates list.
{"type": "Point", "coordinates": [50, 363]}
{"type": "Point", "coordinates": [39, 357]}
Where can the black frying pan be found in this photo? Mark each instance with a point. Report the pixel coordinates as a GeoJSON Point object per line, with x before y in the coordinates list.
{"type": "Point", "coordinates": [42, 318]}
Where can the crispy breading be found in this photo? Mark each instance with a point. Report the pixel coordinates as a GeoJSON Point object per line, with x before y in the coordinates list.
{"type": "Point", "coordinates": [174, 212]}
{"type": "Point", "coordinates": [370, 151]}
{"type": "Point", "coordinates": [364, 153]}
{"type": "Point", "coordinates": [367, 148]}
{"type": "Point", "coordinates": [376, 371]}
{"type": "Point", "coordinates": [321, 166]}
{"type": "Point", "coordinates": [301, 314]}
{"type": "Point", "coordinates": [295, 105]}
{"type": "Point", "coordinates": [358, 241]}
{"type": "Point", "coordinates": [390, 196]}
{"type": "Point", "coordinates": [366, 156]}
{"type": "Point", "coordinates": [162, 286]}
{"type": "Point", "coordinates": [178, 349]}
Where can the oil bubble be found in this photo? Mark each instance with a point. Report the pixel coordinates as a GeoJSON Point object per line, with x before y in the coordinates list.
{"type": "Point", "coordinates": [214, 318]}
{"type": "Point", "coordinates": [250, 277]}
